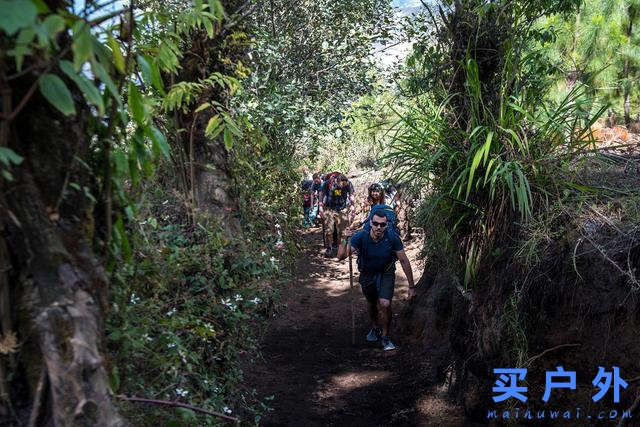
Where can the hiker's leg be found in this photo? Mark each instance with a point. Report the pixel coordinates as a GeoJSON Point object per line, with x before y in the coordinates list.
{"type": "Point", "coordinates": [313, 213]}
{"type": "Point", "coordinates": [385, 315]}
{"type": "Point", "coordinates": [372, 308]}
{"type": "Point", "coordinates": [329, 219]}
{"type": "Point", "coordinates": [387, 284]}
{"type": "Point", "coordinates": [305, 221]}
{"type": "Point", "coordinates": [334, 233]}
{"type": "Point", "coordinates": [342, 223]}
{"type": "Point", "coordinates": [371, 294]}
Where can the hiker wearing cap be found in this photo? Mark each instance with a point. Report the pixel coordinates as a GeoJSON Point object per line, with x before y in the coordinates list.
{"type": "Point", "coordinates": [378, 248]}
{"type": "Point", "coordinates": [335, 207]}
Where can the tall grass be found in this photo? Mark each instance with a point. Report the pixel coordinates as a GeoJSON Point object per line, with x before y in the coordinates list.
{"type": "Point", "coordinates": [509, 159]}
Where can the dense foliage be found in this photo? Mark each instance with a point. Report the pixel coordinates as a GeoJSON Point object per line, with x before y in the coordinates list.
{"type": "Point", "coordinates": [151, 153]}
{"type": "Point", "coordinates": [191, 117]}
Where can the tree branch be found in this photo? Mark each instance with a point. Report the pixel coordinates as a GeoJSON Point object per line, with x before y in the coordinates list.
{"type": "Point", "coordinates": [178, 404]}
{"type": "Point", "coordinates": [528, 362]}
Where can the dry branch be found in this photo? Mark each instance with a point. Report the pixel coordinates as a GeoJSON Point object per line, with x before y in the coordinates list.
{"type": "Point", "coordinates": [178, 404]}
{"type": "Point", "coordinates": [528, 362]}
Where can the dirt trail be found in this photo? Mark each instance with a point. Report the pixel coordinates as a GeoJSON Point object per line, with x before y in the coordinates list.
{"type": "Point", "coordinates": [315, 374]}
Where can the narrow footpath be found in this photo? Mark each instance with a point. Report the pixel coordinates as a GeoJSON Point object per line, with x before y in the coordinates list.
{"type": "Point", "coordinates": [314, 373]}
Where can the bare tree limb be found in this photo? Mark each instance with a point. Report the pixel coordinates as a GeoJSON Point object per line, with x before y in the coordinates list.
{"type": "Point", "coordinates": [178, 404]}
{"type": "Point", "coordinates": [528, 362]}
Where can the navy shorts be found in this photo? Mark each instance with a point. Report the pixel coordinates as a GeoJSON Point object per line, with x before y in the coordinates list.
{"type": "Point", "coordinates": [378, 285]}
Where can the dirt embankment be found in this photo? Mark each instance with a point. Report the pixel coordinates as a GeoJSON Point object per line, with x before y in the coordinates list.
{"type": "Point", "coordinates": [571, 302]}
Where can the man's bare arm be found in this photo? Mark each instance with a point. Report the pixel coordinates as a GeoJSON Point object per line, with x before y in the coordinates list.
{"type": "Point", "coordinates": [345, 248]}
{"type": "Point", "coordinates": [406, 267]}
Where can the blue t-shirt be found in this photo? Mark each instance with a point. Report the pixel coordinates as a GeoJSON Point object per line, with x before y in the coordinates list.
{"type": "Point", "coordinates": [316, 189]}
{"type": "Point", "coordinates": [375, 257]}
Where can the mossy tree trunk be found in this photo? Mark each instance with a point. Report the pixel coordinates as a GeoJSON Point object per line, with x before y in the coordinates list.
{"type": "Point", "coordinates": [52, 284]}
{"type": "Point", "coordinates": [211, 178]}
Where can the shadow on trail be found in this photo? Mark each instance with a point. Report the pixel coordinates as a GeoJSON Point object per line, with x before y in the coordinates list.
{"type": "Point", "coordinates": [314, 373]}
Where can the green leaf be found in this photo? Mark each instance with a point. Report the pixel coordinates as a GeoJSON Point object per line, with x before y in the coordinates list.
{"type": "Point", "coordinates": [228, 139]}
{"type": "Point", "coordinates": [146, 69]}
{"type": "Point", "coordinates": [121, 237]}
{"type": "Point", "coordinates": [114, 378]}
{"type": "Point", "coordinates": [208, 26]}
{"type": "Point", "coordinates": [156, 78]}
{"type": "Point", "coordinates": [53, 24]}
{"type": "Point", "coordinates": [202, 107]}
{"type": "Point", "coordinates": [19, 52]}
{"type": "Point", "coordinates": [231, 124]}
{"type": "Point", "coordinates": [214, 127]}
{"type": "Point", "coordinates": [23, 46]}
{"type": "Point", "coordinates": [104, 77]}
{"type": "Point", "coordinates": [56, 92]}
{"type": "Point", "coordinates": [16, 14]}
{"type": "Point", "coordinates": [128, 210]}
{"type": "Point", "coordinates": [89, 90]}
{"type": "Point", "coordinates": [133, 167]}
{"type": "Point", "coordinates": [119, 159]}
{"type": "Point", "coordinates": [216, 8]}
{"type": "Point", "coordinates": [82, 44]}
{"type": "Point", "coordinates": [136, 105]}
{"type": "Point", "coordinates": [7, 156]}
{"type": "Point", "coordinates": [102, 53]}
{"type": "Point", "coordinates": [118, 59]}
{"type": "Point", "coordinates": [159, 141]}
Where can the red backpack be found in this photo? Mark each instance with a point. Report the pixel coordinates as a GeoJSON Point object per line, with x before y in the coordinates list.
{"type": "Point", "coordinates": [332, 178]}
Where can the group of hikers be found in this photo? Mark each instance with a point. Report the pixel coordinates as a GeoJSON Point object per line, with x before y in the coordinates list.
{"type": "Point", "coordinates": [374, 238]}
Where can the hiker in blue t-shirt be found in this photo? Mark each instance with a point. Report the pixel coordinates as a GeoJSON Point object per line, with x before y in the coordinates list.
{"type": "Point", "coordinates": [311, 190]}
{"type": "Point", "coordinates": [378, 249]}
{"type": "Point", "coordinates": [316, 191]}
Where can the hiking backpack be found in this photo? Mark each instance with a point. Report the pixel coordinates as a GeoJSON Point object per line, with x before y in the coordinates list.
{"type": "Point", "coordinates": [330, 179]}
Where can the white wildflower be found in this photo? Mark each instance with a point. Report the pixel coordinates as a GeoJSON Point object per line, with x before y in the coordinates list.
{"type": "Point", "coordinates": [273, 260]}
{"type": "Point", "coordinates": [134, 299]}
{"type": "Point", "coordinates": [277, 226]}
{"type": "Point", "coordinates": [238, 297]}
{"type": "Point", "coordinates": [181, 392]}
{"type": "Point", "coordinates": [171, 312]}
{"type": "Point", "coordinates": [263, 253]}
{"type": "Point", "coordinates": [256, 300]}
{"type": "Point", "coordinates": [227, 303]}
{"type": "Point", "coordinates": [171, 345]}
{"type": "Point", "coordinates": [226, 410]}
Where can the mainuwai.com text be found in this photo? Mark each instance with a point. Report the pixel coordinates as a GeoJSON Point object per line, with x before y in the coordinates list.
{"type": "Point", "coordinates": [547, 414]}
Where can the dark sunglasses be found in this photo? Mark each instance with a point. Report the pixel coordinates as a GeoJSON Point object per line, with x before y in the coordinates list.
{"type": "Point", "coordinates": [378, 224]}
